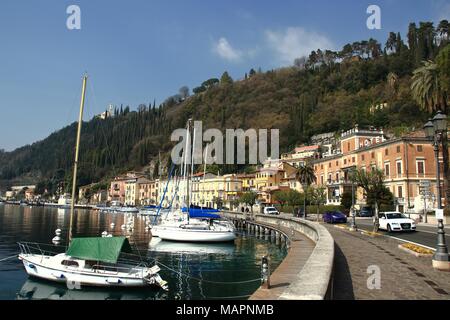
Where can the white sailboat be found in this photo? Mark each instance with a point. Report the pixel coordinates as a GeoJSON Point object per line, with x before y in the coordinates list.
{"type": "Point", "coordinates": [189, 226]}
{"type": "Point", "coordinates": [88, 261]}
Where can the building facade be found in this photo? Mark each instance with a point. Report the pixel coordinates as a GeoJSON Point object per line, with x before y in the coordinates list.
{"type": "Point", "coordinates": [408, 163]}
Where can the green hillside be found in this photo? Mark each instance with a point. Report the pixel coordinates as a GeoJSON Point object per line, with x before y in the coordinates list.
{"type": "Point", "coordinates": [327, 91]}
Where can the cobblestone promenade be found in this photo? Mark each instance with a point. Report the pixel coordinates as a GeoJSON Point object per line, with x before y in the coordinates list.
{"type": "Point", "coordinates": [403, 276]}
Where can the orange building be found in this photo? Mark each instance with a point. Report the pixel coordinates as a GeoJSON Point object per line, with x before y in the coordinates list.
{"type": "Point", "coordinates": [407, 163]}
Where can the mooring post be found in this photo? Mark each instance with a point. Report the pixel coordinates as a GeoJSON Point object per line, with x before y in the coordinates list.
{"type": "Point", "coordinates": [265, 272]}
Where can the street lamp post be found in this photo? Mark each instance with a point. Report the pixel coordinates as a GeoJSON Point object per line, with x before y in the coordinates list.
{"type": "Point", "coordinates": [435, 129]}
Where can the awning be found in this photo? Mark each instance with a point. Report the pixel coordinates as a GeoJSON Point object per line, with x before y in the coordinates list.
{"type": "Point", "coordinates": [102, 249]}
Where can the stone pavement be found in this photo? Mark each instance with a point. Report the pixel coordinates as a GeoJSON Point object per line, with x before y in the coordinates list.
{"type": "Point", "coordinates": [300, 249]}
{"type": "Point", "coordinates": [403, 276]}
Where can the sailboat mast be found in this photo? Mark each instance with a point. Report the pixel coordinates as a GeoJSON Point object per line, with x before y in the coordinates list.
{"type": "Point", "coordinates": [77, 147]}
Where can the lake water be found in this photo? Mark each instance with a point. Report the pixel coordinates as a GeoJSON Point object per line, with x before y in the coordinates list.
{"type": "Point", "coordinates": [193, 271]}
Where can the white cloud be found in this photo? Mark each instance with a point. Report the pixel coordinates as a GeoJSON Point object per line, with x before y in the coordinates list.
{"type": "Point", "coordinates": [295, 42]}
{"type": "Point", "coordinates": [224, 49]}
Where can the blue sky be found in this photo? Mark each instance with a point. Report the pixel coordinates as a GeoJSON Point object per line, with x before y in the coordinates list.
{"type": "Point", "coordinates": [137, 51]}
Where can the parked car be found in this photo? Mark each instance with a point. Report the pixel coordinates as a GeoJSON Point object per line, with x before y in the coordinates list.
{"type": "Point", "coordinates": [396, 221]}
{"type": "Point", "coordinates": [271, 210]}
{"type": "Point", "coordinates": [365, 212]}
{"type": "Point", "coordinates": [334, 217]}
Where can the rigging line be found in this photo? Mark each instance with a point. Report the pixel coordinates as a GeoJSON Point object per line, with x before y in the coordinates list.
{"type": "Point", "coordinates": [73, 104]}
{"type": "Point", "coordinates": [4, 259]}
{"type": "Point", "coordinates": [202, 280]}
{"type": "Point", "coordinates": [208, 281]}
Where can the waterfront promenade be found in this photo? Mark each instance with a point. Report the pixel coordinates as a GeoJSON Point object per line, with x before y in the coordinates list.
{"type": "Point", "coordinates": [403, 276]}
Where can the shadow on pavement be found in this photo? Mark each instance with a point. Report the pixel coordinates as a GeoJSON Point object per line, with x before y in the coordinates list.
{"type": "Point", "coordinates": [342, 279]}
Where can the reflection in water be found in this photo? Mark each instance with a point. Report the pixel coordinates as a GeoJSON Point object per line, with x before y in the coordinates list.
{"type": "Point", "coordinates": [193, 271]}
{"type": "Point", "coordinates": [36, 289]}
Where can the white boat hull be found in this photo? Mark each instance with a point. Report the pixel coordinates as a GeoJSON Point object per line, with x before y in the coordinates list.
{"type": "Point", "coordinates": [35, 266]}
{"type": "Point", "coordinates": [192, 235]}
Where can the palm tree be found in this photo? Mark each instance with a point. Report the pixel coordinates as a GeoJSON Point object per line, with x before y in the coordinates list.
{"type": "Point", "coordinates": [306, 175]}
{"type": "Point", "coordinates": [427, 89]}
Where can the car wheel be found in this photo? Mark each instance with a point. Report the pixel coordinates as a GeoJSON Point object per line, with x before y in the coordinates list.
{"type": "Point", "coordinates": [389, 228]}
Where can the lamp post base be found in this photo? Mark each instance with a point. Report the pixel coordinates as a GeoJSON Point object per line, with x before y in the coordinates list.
{"type": "Point", "coordinates": [441, 265]}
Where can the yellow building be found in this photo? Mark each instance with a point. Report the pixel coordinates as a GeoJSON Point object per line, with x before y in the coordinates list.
{"type": "Point", "coordinates": [248, 181]}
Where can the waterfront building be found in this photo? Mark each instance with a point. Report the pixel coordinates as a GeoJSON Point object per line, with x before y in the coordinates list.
{"type": "Point", "coordinates": [117, 188]}
{"type": "Point", "coordinates": [407, 163]}
{"type": "Point", "coordinates": [172, 192]}
{"type": "Point", "coordinates": [248, 181]}
{"type": "Point", "coordinates": [100, 196]}
{"type": "Point", "coordinates": [148, 191]}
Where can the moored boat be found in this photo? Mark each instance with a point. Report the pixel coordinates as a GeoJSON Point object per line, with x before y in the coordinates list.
{"type": "Point", "coordinates": [89, 262]}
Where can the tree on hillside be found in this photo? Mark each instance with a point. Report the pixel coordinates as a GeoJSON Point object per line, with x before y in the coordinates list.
{"type": "Point", "coordinates": [184, 92]}
{"type": "Point", "coordinates": [226, 79]}
{"type": "Point", "coordinates": [210, 83]}
{"type": "Point", "coordinates": [306, 176]}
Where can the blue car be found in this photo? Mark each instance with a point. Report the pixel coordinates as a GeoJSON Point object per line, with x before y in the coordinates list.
{"type": "Point", "coordinates": [334, 217]}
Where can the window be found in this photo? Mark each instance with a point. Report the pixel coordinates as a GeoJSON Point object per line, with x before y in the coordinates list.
{"type": "Point", "coordinates": [345, 161]}
{"type": "Point", "coordinates": [353, 159]}
{"type": "Point", "coordinates": [321, 179]}
{"type": "Point", "coordinates": [329, 165]}
{"type": "Point", "coordinates": [362, 157]}
{"type": "Point", "coordinates": [398, 149]}
{"type": "Point", "coordinates": [348, 146]}
{"type": "Point", "coordinates": [337, 176]}
{"type": "Point", "coordinates": [386, 152]}
{"type": "Point", "coordinates": [387, 169]}
{"type": "Point", "coordinates": [337, 163]}
{"type": "Point", "coordinates": [421, 167]}
{"type": "Point", "coordinates": [69, 263]}
{"type": "Point", "coordinates": [373, 155]}
{"type": "Point", "coordinates": [400, 191]}
{"type": "Point", "coordinates": [399, 167]}
{"type": "Point", "coordinates": [419, 148]}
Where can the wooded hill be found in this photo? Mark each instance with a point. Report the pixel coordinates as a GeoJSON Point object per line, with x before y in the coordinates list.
{"type": "Point", "coordinates": [327, 91]}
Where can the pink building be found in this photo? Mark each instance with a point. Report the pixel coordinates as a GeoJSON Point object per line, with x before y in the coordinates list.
{"type": "Point", "coordinates": [116, 190]}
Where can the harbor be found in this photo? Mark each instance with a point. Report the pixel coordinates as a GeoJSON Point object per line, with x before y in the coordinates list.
{"type": "Point", "coordinates": [193, 271]}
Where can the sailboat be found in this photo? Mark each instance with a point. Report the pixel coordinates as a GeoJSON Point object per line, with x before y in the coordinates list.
{"type": "Point", "coordinates": [189, 224]}
{"type": "Point", "coordinates": [94, 261]}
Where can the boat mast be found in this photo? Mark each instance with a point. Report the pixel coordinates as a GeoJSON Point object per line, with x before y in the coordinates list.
{"type": "Point", "coordinates": [186, 172]}
{"type": "Point", "coordinates": [77, 147]}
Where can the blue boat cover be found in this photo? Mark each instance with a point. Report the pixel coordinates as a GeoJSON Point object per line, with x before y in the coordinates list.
{"type": "Point", "coordinates": [207, 213]}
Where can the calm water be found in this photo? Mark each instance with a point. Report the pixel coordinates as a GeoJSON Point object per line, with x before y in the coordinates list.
{"type": "Point", "coordinates": [190, 269]}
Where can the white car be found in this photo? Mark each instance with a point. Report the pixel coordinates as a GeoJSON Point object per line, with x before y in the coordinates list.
{"type": "Point", "coordinates": [396, 221]}
{"type": "Point", "coordinates": [271, 210]}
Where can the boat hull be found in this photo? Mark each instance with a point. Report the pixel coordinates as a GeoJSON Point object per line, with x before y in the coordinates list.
{"type": "Point", "coordinates": [186, 235]}
{"type": "Point", "coordinates": [36, 269]}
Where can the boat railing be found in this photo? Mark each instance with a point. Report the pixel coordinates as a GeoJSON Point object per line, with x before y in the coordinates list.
{"type": "Point", "coordinates": [34, 248]}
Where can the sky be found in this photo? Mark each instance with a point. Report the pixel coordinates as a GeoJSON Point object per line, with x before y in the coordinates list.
{"type": "Point", "coordinates": [138, 51]}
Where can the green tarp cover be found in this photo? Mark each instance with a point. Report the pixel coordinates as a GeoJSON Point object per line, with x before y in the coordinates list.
{"type": "Point", "coordinates": [98, 249]}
